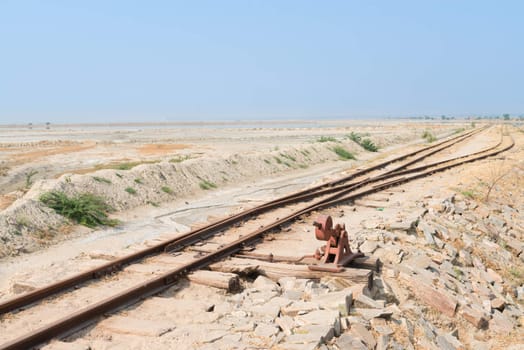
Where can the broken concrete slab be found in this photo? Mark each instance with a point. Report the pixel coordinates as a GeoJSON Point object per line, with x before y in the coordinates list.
{"type": "Point", "coordinates": [299, 307]}
{"type": "Point", "coordinates": [317, 317]}
{"type": "Point", "coordinates": [265, 330]}
{"type": "Point", "coordinates": [340, 301]}
{"type": "Point", "coordinates": [264, 283]}
{"type": "Point", "coordinates": [358, 331]}
{"type": "Point", "coordinates": [369, 314]}
{"type": "Point", "coordinates": [427, 230]}
{"type": "Point", "coordinates": [286, 323]}
{"type": "Point", "coordinates": [368, 247]}
{"type": "Point", "coordinates": [499, 323]}
{"type": "Point", "coordinates": [436, 298]}
{"type": "Point", "coordinates": [474, 316]}
{"type": "Point", "coordinates": [346, 341]}
{"type": "Point", "coordinates": [318, 334]}
{"type": "Point", "coordinates": [363, 301]}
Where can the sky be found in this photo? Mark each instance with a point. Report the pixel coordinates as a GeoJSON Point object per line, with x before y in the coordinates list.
{"type": "Point", "coordinates": [118, 61]}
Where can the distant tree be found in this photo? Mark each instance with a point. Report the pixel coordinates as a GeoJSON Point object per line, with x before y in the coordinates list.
{"type": "Point", "coordinates": [505, 116]}
{"type": "Point", "coordinates": [47, 125]}
{"type": "Point", "coordinates": [443, 117]}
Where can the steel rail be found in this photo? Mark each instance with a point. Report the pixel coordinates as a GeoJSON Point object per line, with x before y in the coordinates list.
{"type": "Point", "coordinates": [155, 285]}
{"type": "Point", "coordinates": [198, 234]}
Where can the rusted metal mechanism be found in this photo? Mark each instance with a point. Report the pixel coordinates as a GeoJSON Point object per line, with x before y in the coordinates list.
{"type": "Point", "coordinates": [336, 253]}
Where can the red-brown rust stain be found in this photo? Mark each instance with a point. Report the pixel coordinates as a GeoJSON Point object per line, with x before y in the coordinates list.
{"type": "Point", "coordinates": [160, 148]}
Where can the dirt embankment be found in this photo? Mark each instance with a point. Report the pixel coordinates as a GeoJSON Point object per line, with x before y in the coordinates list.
{"type": "Point", "coordinates": [27, 224]}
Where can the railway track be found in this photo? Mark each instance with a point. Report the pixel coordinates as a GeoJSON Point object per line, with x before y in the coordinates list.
{"type": "Point", "coordinates": [347, 188]}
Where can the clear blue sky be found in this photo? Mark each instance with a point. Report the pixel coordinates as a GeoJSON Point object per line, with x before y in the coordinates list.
{"type": "Point", "coordinates": [77, 61]}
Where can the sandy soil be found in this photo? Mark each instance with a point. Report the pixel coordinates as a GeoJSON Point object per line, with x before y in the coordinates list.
{"type": "Point", "coordinates": [167, 164]}
{"type": "Point", "coordinates": [143, 224]}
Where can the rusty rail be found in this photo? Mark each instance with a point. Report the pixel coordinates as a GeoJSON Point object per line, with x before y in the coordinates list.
{"type": "Point", "coordinates": [88, 314]}
{"type": "Point", "coordinates": [196, 235]}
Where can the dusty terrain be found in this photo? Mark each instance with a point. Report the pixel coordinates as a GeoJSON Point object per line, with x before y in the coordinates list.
{"type": "Point", "coordinates": [445, 232]}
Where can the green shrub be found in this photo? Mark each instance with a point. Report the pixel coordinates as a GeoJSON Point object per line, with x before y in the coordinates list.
{"type": "Point", "coordinates": [167, 190]}
{"type": "Point", "coordinates": [279, 161]}
{"type": "Point", "coordinates": [179, 159]}
{"type": "Point", "coordinates": [368, 145]}
{"type": "Point", "coordinates": [343, 153]}
{"type": "Point", "coordinates": [101, 179]}
{"type": "Point", "coordinates": [428, 136]}
{"type": "Point", "coordinates": [355, 137]}
{"type": "Point", "coordinates": [23, 221]}
{"type": "Point", "coordinates": [139, 181]}
{"type": "Point", "coordinates": [206, 185]}
{"type": "Point", "coordinates": [130, 190]}
{"type": "Point", "coordinates": [288, 157]}
{"type": "Point", "coordinates": [326, 139]}
{"type": "Point", "coordinates": [469, 194]}
{"type": "Point", "coordinates": [126, 166]}
{"type": "Point", "coordinates": [29, 178]}
{"type": "Point", "coordinates": [86, 209]}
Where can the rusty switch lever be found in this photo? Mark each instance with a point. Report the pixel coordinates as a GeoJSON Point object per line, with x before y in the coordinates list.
{"type": "Point", "coordinates": [336, 253]}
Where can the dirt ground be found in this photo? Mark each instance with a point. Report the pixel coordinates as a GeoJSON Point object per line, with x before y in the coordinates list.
{"type": "Point", "coordinates": [79, 153]}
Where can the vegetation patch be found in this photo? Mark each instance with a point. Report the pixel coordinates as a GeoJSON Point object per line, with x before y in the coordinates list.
{"type": "Point", "coordinates": [368, 145]}
{"type": "Point", "coordinates": [29, 178]}
{"type": "Point", "coordinates": [291, 158]}
{"type": "Point", "coordinates": [469, 193]}
{"type": "Point", "coordinates": [326, 139]}
{"type": "Point", "coordinates": [139, 181]}
{"type": "Point", "coordinates": [119, 166]}
{"type": "Point", "coordinates": [85, 209]}
{"type": "Point", "coordinates": [355, 137]}
{"type": "Point", "coordinates": [343, 153]}
{"type": "Point", "coordinates": [130, 190]}
{"type": "Point", "coordinates": [428, 136]}
{"type": "Point", "coordinates": [207, 185]}
{"type": "Point", "coordinates": [278, 160]}
{"type": "Point", "coordinates": [517, 274]}
{"type": "Point", "coordinates": [167, 189]}
{"type": "Point", "coordinates": [23, 221]}
{"type": "Point", "coordinates": [365, 143]}
{"type": "Point", "coordinates": [179, 159]}
{"type": "Point", "coordinates": [101, 179]}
